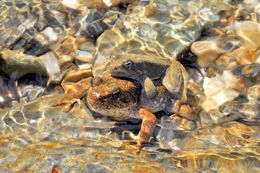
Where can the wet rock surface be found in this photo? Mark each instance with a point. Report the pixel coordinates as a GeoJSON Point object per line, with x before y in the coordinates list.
{"type": "Point", "coordinates": [199, 57]}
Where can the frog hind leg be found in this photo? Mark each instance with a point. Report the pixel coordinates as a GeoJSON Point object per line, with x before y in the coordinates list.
{"type": "Point", "coordinates": [73, 93]}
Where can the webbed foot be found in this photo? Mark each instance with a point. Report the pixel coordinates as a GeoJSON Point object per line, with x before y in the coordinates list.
{"type": "Point", "coordinates": [147, 127]}
{"type": "Point", "coordinates": [56, 169]}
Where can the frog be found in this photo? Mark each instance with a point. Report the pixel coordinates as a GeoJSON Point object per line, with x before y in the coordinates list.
{"type": "Point", "coordinates": [122, 99]}
{"type": "Point", "coordinates": [163, 87]}
{"type": "Point", "coordinates": [135, 87]}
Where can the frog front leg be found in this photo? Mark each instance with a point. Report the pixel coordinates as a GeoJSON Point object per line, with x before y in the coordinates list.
{"type": "Point", "coordinates": [147, 127]}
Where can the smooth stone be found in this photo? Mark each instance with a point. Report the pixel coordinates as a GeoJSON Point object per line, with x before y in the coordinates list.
{"type": "Point", "coordinates": [206, 51]}
{"type": "Point", "coordinates": [250, 32]}
{"type": "Point", "coordinates": [52, 67]}
{"type": "Point", "coordinates": [149, 88]}
{"type": "Point", "coordinates": [219, 89]}
{"type": "Point", "coordinates": [50, 34]}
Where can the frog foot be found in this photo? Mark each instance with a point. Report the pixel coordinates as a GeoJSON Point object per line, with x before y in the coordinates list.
{"type": "Point", "coordinates": [66, 102]}
{"type": "Point", "coordinates": [77, 83]}
{"type": "Point", "coordinates": [147, 127]}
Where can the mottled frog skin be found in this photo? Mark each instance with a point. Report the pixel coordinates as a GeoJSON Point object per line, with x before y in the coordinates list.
{"type": "Point", "coordinates": [114, 97]}
{"type": "Point", "coordinates": [150, 70]}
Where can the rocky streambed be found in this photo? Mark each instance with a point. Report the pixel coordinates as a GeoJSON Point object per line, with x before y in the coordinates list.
{"type": "Point", "coordinates": [129, 86]}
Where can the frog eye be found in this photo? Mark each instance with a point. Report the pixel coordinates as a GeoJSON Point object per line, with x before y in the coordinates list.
{"type": "Point", "coordinates": [128, 64]}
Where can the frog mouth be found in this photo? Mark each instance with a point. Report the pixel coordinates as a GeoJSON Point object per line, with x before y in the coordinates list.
{"type": "Point", "coordinates": [119, 73]}
{"type": "Point", "coordinates": [123, 75]}
{"type": "Point", "coordinates": [126, 79]}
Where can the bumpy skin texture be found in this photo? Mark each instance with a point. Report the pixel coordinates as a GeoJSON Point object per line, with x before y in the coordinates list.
{"type": "Point", "coordinates": [114, 97]}
{"type": "Point", "coordinates": [155, 69]}
{"type": "Point", "coordinates": [148, 125]}
{"type": "Point", "coordinates": [141, 68]}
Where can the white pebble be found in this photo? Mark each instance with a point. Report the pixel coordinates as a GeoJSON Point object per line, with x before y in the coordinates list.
{"type": "Point", "coordinates": [51, 34]}
{"type": "Point", "coordinates": [2, 99]}
{"type": "Point", "coordinates": [84, 56]}
{"type": "Point", "coordinates": [51, 64]}
{"type": "Point", "coordinates": [107, 2]}
{"type": "Point", "coordinates": [219, 90]}
{"type": "Point", "coordinates": [73, 4]}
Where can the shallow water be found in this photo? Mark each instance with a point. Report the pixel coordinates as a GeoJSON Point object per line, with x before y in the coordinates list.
{"type": "Point", "coordinates": [36, 52]}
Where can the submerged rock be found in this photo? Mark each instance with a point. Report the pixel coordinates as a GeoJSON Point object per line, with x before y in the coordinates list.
{"type": "Point", "coordinates": [206, 52]}
{"type": "Point", "coordinates": [249, 31]}
{"type": "Point", "coordinates": [17, 64]}
{"type": "Point", "coordinates": [219, 90]}
{"type": "Point", "coordinates": [98, 4]}
{"type": "Point", "coordinates": [25, 20]}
